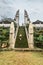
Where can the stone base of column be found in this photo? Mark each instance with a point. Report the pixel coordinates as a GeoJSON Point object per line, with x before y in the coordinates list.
{"type": "Point", "coordinates": [12, 44]}
{"type": "Point", "coordinates": [31, 46]}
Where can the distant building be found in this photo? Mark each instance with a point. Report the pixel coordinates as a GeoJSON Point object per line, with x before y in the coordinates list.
{"type": "Point", "coordinates": [6, 22]}
{"type": "Point", "coordinates": [38, 24]}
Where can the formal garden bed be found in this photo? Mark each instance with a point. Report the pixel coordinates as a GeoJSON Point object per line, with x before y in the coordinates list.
{"type": "Point", "coordinates": [4, 37]}
{"type": "Point", "coordinates": [38, 37]}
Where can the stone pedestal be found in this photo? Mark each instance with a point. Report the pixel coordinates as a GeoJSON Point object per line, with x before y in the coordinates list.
{"type": "Point", "coordinates": [11, 37]}
{"type": "Point", "coordinates": [31, 41]}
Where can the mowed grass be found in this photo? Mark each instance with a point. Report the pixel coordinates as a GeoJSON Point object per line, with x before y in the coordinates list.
{"type": "Point", "coordinates": [21, 58]}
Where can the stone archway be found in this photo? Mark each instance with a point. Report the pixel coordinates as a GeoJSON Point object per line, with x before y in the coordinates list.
{"type": "Point", "coordinates": [29, 32]}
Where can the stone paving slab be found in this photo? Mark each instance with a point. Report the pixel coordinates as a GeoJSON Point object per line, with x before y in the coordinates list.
{"type": "Point", "coordinates": [23, 49]}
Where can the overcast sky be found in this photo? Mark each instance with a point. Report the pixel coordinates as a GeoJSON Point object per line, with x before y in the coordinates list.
{"type": "Point", "coordinates": [34, 8]}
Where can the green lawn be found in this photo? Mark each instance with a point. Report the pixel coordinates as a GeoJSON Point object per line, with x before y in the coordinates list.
{"type": "Point", "coordinates": [21, 58]}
